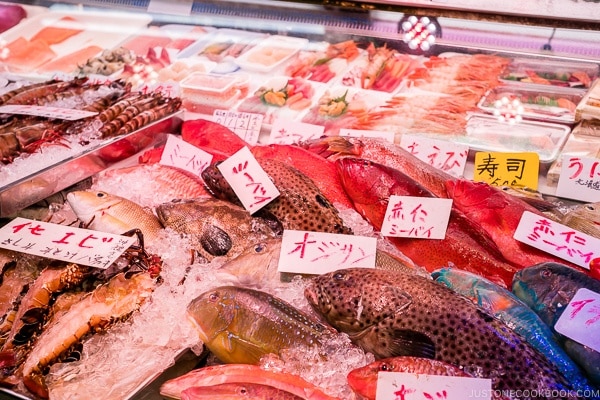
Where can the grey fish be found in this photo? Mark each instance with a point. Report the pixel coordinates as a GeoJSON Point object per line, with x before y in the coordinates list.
{"type": "Point", "coordinates": [217, 228]}
{"type": "Point", "coordinates": [548, 288]}
{"type": "Point", "coordinates": [240, 325]}
{"type": "Point", "coordinates": [300, 205]}
{"type": "Point", "coordinates": [256, 267]}
{"type": "Point", "coordinates": [392, 313]}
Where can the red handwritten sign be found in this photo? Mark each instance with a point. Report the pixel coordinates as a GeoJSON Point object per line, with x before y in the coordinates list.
{"type": "Point", "coordinates": [61, 242]}
{"type": "Point", "coordinates": [416, 217]}
{"type": "Point", "coordinates": [245, 125]}
{"type": "Point", "coordinates": [48, 112]}
{"type": "Point", "coordinates": [180, 154]}
{"type": "Point", "coordinates": [285, 131]}
{"type": "Point", "coordinates": [579, 178]}
{"type": "Point", "coordinates": [319, 252]}
{"type": "Point", "coordinates": [409, 386]}
{"type": "Point", "coordinates": [445, 155]}
{"type": "Point", "coordinates": [557, 239]}
{"type": "Point", "coordinates": [167, 89]}
{"type": "Point", "coordinates": [580, 320]}
{"type": "Point", "coordinates": [249, 181]}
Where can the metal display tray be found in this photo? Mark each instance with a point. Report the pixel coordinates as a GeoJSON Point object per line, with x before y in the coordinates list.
{"type": "Point", "coordinates": [50, 180]}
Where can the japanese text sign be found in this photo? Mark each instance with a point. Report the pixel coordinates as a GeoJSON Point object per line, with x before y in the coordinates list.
{"type": "Point", "coordinates": [580, 320]}
{"type": "Point", "coordinates": [557, 239]}
{"type": "Point", "coordinates": [249, 181]}
{"type": "Point", "coordinates": [387, 135]}
{"type": "Point", "coordinates": [245, 125]}
{"type": "Point", "coordinates": [579, 178]}
{"type": "Point", "coordinates": [507, 169]}
{"type": "Point", "coordinates": [285, 131]}
{"type": "Point", "coordinates": [416, 217]}
{"type": "Point", "coordinates": [180, 154]}
{"type": "Point", "coordinates": [409, 386]}
{"type": "Point", "coordinates": [167, 89]}
{"type": "Point", "coordinates": [320, 252]}
{"type": "Point", "coordinates": [61, 242]}
{"type": "Point", "coordinates": [445, 155]}
{"type": "Point", "coordinates": [48, 112]}
{"type": "Point", "coordinates": [176, 7]}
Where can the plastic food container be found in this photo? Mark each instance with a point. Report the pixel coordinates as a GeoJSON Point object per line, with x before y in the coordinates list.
{"type": "Point", "coordinates": [555, 73]}
{"type": "Point", "coordinates": [550, 104]}
{"type": "Point", "coordinates": [270, 53]}
{"type": "Point", "coordinates": [204, 92]}
{"type": "Point", "coordinates": [486, 133]}
{"type": "Point", "coordinates": [222, 44]}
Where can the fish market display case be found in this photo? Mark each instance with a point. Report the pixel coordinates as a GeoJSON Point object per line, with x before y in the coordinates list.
{"type": "Point", "coordinates": [437, 69]}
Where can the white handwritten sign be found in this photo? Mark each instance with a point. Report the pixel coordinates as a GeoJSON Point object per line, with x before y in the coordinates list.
{"type": "Point", "coordinates": [448, 156]}
{"type": "Point", "coordinates": [409, 386]}
{"type": "Point", "coordinates": [387, 135]}
{"type": "Point", "coordinates": [181, 154]}
{"type": "Point", "coordinates": [245, 125]}
{"type": "Point", "coordinates": [68, 114]}
{"type": "Point", "coordinates": [416, 217]}
{"type": "Point", "coordinates": [557, 239]}
{"type": "Point", "coordinates": [284, 131]}
{"type": "Point", "coordinates": [579, 178]}
{"type": "Point", "coordinates": [580, 320]}
{"type": "Point", "coordinates": [249, 181]}
{"type": "Point", "coordinates": [61, 242]}
{"type": "Point", "coordinates": [306, 252]}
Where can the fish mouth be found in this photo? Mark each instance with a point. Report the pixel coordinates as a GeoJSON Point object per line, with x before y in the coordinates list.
{"type": "Point", "coordinates": [316, 299]}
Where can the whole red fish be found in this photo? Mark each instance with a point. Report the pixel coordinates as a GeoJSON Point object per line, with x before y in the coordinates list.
{"type": "Point", "coordinates": [498, 213]}
{"type": "Point", "coordinates": [370, 186]}
{"type": "Point", "coordinates": [322, 171]}
{"type": "Point", "coordinates": [212, 137]}
{"type": "Point", "coordinates": [385, 153]}
{"type": "Point", "coordinates": [363, 380]}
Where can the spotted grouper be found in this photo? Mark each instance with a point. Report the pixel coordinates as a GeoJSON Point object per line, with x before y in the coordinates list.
{"type": "Point", "coordinates": [300, 204]}
{"type": "Point", "coordinates": [390, 313]}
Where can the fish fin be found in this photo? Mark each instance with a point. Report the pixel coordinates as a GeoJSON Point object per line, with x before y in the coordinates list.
{"type": "Point", "coordinates": [216, 241]}
{"type": "Point", "coordinates": [406, 342]}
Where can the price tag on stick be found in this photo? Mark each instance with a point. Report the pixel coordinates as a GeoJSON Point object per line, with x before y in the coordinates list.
{"type": "Point", "coordinates": [580, 320]}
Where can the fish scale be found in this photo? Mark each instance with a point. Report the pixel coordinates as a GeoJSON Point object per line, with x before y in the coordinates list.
{"type": "Point", "coordinates": [300, 204]}
{"type": "Point", "coordinates": [393, 313]}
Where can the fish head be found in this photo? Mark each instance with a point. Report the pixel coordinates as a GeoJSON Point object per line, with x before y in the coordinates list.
{"type": "Point", "coordinates": [212, 312]}
{"type": "Point", "coordinates": [363, 380]}
{"type": "Point", "coordinates": [217, 185]}
{"type": "Point", "coordinates": [546, 287]}
{"type": "Point", "coordinates": [87, 203]}
{"type": "Point", "coordinates": [354, 300]}
{"type": "Point", "coordinates": [476, 194]}
{"type": "Point", "coordinates": [255, 266]}
{"type": "Point", "coordinates": [460, 281]}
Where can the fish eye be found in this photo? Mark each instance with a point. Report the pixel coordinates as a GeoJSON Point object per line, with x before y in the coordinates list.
{"type": "Point", "coordinates": [100, 194]}
{"type": "Point", "coordinates": [545, 273]}
{"type": "Point", "coordinates": [243, 391]}
{"type": "Point", "coordinates": [338, 276]}
{"type": "Point", "coordinates": [385, 367]}
{"type": "Point", "coordinates": [590, 207]}
{"type": "Point", "coordinates": [259, 247]}
{"type": "Point", "coordinates": [213, 297]}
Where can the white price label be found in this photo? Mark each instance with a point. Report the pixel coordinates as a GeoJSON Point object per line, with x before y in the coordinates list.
{"type": "Point", "coordinates": [580, 320]}
{"type": "Point", "coordinates": [61, 242]}
{"type": "Point", "coordinates": [305, 252]}
{"type": "Point", "coordinates": [181, 154]}
{"type": "Point", "coordinates": [579, 178]}
{"type": "Point", "coordinates": [249, 181]}
{"type": "Point", "coordinates": [285, 131]}
{"type": "Point", "coordinates": [557, 239]}
{"type": "Point", "coordinates": [409, 386]}
{"type": "Point", "coordinates": [442, 154]}
{"type": "Point", "coordinates": [245, 125]}
{"type": "Point", "coordinates": [416, 217]}
{"type": "Point", "coordinates": [47, 112]}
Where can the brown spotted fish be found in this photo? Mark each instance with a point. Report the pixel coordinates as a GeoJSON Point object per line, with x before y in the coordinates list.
{"type": "Point", "coordinates": [300, 205]}
{"type": "Point", "coordinates": [390, 313]}
{"type": "Point", "coordinates": [217, 228]}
